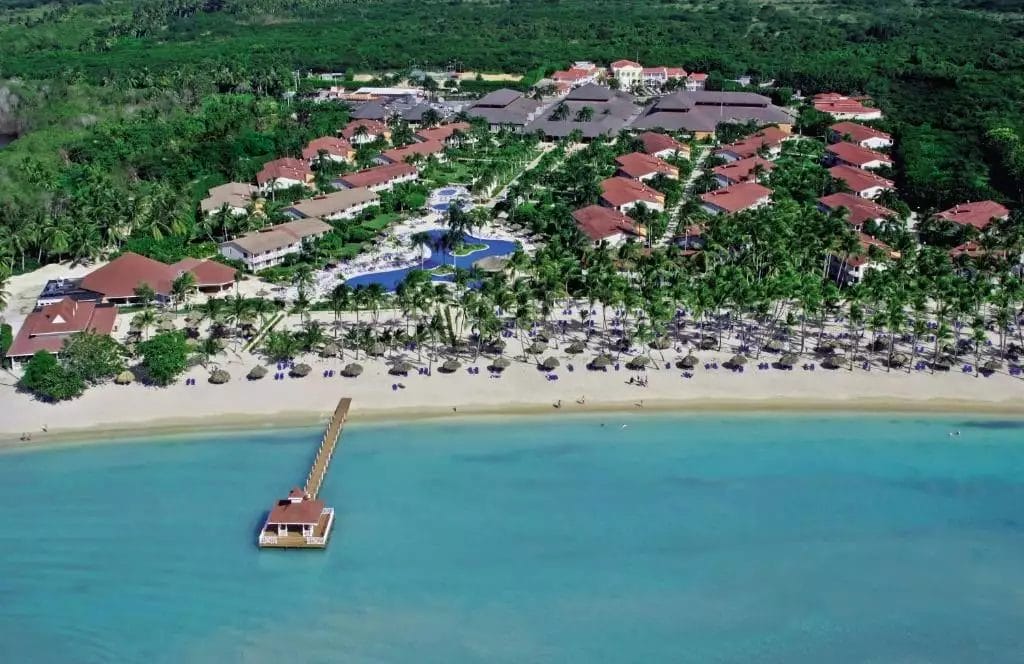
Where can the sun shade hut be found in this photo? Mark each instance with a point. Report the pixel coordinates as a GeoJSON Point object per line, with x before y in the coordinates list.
{"type": "Point", "coordinates": [537, 347]}
{"type": "Point", "coordinates": [257, 372]}
{"type": "Point", "coordinates": [377, 349]}
{"type": "Point", "coordinates": [301, 370]}
{"type": "Point", "coordinates": [219, 376]}
{"type": "Point", "coordinates": [400, 368]}
{"type": "Point", "coordinates": [601, 362]}
{"type": "Point", "coordinates": [737, 360]}
{"type": "Point", "coordinates": [638, 362]}
{"type": "Point", "coordinates": [688, 362]}
{"type": "Point", "coordinates": [124, 378]}
{"type": "Point", "coordinates": [500, 364]}
{"type": "Point", "coordinates": [451, 366]}
{"type": "Point", "coordinates": [352, 370]}
{"type": "Point", "coordinates": [576, 347]}
{"type": "Point", "coordinates": [788, 360]}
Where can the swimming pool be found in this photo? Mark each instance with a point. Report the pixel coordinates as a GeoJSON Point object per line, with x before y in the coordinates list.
{"type": "Point", "coordinates": [447, 192]}
{"type": "Point", "coordinates": [391, 278]}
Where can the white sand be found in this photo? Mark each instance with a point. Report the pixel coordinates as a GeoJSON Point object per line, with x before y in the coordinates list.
{"type": "Point", "coordinates": [24, 289]}
{"type": "Point", "coordinates": [113, 409]}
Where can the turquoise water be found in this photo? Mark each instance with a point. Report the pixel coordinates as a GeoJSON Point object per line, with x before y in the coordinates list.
{"type": "Point", "coordinates": [693, 539]}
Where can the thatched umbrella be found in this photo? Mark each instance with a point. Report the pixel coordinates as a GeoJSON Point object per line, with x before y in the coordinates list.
{"type": "Point", "coordinates": [707, 343]}
{"type": "Point", "coordinates": [352, 370]}
{"type": "Point", "coordinates": [737, 360]}
{"type": "Point", "coordinates": [124, 378]}
{"type": "Point", "coordinates": [576, 347]}
{"type": "Point", "coordinates": [451, 366]}
{"type": "Point", "coordinates": [826, 348]}
{"type": "Point", "coordinates": [788, 360]}
{"type": "Point", "coordinates": [638, 362]}
{"type": "Point", "coordinates": [601, 362]}
{"type": "Point", "coordinates": [661, 343]}
{"type": "Point", "coordinates": [831, 362]}
{"type": "Point", "coordinates": [537, 347]}
{"type": "Point", "coordinates": [330, 349]}
{"type": "Point", "coordinates": [550, 364]}
{"type": "Point", "coordinates": [500, 364]}
{"type": "Point", "coordinates": [773, 346]}
{"type": "Point", "coordinates": [219, 376]}
{"type": "Point", "coordinates": [623, 344]}
{"type": "Point", "coordinates": [400, 368]}
{"type": "Point", "coordinates": [992, 366]}
{"type": "Point", "coordinates": [878, 345]}
{"type": "Point", "coordinates": [166, 325]}
{"type": "Point", "coordinates": [688, 362]}
{"type": "Point", "coordinates": [193, 320]}
{"type": "Point", "coordinates": [898, 360]}
{"type": "Point", "coordinates": [943, 363]}
{"type": "Point", "coordinates": [301, 370]}
{"type": "Point", "coordinates": [377, 349]}
{"type": "Point", "coordinates": [257, 372]}
{"type": "Point", "coordinates": [496, 346]}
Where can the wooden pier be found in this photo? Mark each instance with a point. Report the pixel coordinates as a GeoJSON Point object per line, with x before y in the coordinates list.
{"type": "Point", "coordinates": [302, 521]}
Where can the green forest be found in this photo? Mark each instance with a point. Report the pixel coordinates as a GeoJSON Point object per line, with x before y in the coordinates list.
{"type": "Point", "coordinates": [130, 109]}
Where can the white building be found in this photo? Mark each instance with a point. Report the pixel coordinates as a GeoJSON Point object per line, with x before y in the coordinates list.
{"type": "Point", "coordinates": [629, 74]}
{"type": "Point", "coordinates": [269, 247]}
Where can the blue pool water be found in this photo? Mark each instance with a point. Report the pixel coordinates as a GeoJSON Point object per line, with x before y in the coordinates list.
{"type": "Point", "coordinates": [390, 279]}
{"type": "Point", "coordinates": [690, 539]}
{"type": "Point", "coordinates": [447, 192]}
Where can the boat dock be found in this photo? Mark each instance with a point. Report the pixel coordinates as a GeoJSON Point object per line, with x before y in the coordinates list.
{"type": "Point", "coordinates": [302, 521]}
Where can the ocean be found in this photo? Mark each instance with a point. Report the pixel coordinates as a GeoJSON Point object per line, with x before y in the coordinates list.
{"type": "Point", "coordinates": [698, 538]}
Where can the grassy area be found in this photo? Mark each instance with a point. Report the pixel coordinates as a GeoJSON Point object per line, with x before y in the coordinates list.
{"type": "Point", "coordinates": [380, 222]}
{"type": "Point", "coordinates": [452, 172]}
{"type": "Point", "coordinates": [467, 249]}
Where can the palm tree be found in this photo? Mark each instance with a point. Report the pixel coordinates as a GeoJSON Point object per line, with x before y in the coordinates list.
{"type": "Point", "coordinates": [145, 319]}
{"type": "Point", "coordinates": [183, 286]}
{"type": "Point", "coordinates": [585, 114]}
{"type": "Point", "coordinates": [421, 240]}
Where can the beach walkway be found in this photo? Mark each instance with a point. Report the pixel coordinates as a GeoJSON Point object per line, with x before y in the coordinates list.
{"type": "Point", "coordinates": [325, 453]}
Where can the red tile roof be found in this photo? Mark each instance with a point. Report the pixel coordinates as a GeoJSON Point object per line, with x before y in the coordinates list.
{"type": "Point", "coordinates": [120, 277]}
{"type": "Point", "coordinates": [738, 197]}
{"type": "Point", "coordinates": [330, 144]}
{"type": "Point", "coordinates": [655, 142]}
{"type": "Point", "coordinates": [743, 169]}
{"type": "Point", "coordinates": [620, 191]}
{"type": "Point", "coordinates": [831, 102]}
{"type": "Point", "coordinates": [47, 328]}
{"type": "Point", "coordinates": [618, 64]}
{"type": "Point", "coordinates": [866, 242]}
{"type": "Point", "coordinates": [371, 177]}
{"type": "Point", "coordinates": [858, 132]}
{"type": "Point", "coordinates": [748, 147]}
{"type": "Point", "coordinates": [697, 76]}
{"type": "Point", "coordinates": [860, 209]}
{"type": "Point", "coordinates": [859, 180]}
{"type": "Point", "coordinates": [638, 165]}
{"type": "Point", "coordinates": [571, 75]}
{"type": "Point", "coordinates": [978, 214]}
{"type": "Point", "coordinates": [854, 154]}
{"type": "Point", "coordinates": [208, 274]}
{"type": "Point", "coordinates": [287, 168]}
{"type": "Point", "coordinates": [305, 512]}
{"type": "Point", "coordinates": [424, 149]}
{"type": "Point", "coordinates": [598, 222]}
{"type": "Point", "coordinates": [373, 128]}
{"type": "Point", "coordinates": [442, 133]}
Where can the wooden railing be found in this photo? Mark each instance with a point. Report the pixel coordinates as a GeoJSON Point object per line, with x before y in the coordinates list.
{"type": "Point", "coordinates": [325, 452]}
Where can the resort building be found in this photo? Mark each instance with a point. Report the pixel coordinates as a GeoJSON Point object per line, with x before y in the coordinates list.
{"type": "Point", "coordinates": [237, 196]}
{"type": "Point", "coordinates": [48, 327]}
{"type": "Point", "coordinates": [299, 520]}
{"type": "Point", "coordinates": [592, 110]}
{"type": "Point", "coordinates": [859, 210]}
{"type": "Point", "coordinates": [695, 81]}
{"type": "Point", "coordinates": [862, 183]}
{"type": "Point", "coordinates": [700, 112]}
{"type": "Point", "coordinates": [663, 146]}
{"type": "Point", "coordinates": [602, 224]}
{"type": "Point", "coordinates": [640, 166]}
{"type": "Point", "coordinates": [751, 169]}
{"type": "Point", "coordinates": [655, 77]}
{"type": "Point", "coordinates": [344, 204]}
{"type": "Point", "coordinates": [358, 132]}
{"type": "Point", "coordinates": [862, 135]}
{"type": "Point", "coordinates": [629, 74]}
{"type": "Point", "coordinates": [378, 178]}
{"type": "Point", "coordinates": [767, 142]}
{"type": "Point", "coordinates": [270, 246]}
{"type": "Point", "coordinates": [284, 173]}
{"type": "Point", "coordinates": [579, 74]}
{"type": "Point", "coordinates": [847, 270]}
{"type": "Point", "coordinates": [117, 281]}
{"type": "Point", "coordinates": [624, 194]}
{"type": "Point", "coordinates": [443, 134]}
{"type": "Point", "coordinates": [505, 109]}
{"type": "Point", "coordinates": [412, 153]}
{"type": "Point", "coordinates": [374, 110]}
{"type": "Point", "coordinates": [979, 214]}
{"type": "Point", "coordinates": [333, 148]}
{"type": "Point", "coordinates": [854, 155]}
{"type": "Point", "coordinates": [845, 108]}
{"type": "Point", "coordinates": [736, 198]}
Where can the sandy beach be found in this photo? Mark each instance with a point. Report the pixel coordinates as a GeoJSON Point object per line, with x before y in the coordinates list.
{"type": "Point", "coordinates": [116, 411]}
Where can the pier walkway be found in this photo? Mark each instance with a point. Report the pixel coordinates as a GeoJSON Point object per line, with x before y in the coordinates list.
{"type": "Point", "coordinates": [325, 453]}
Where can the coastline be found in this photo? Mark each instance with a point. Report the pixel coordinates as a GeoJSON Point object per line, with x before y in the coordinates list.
{"type": "Point", "coordinates": [163, 428]}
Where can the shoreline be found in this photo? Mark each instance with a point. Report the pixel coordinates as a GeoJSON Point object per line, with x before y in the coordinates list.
{"type": "Point", "coordinates": [163, 428]}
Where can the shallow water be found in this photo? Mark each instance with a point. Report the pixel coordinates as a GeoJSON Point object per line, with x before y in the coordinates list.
{"type": "Point", "coordinates": [689, 539]}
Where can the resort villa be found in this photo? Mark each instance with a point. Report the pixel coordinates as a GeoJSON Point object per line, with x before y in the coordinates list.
{"type": "Point", "coordinates": [446, 134]}
{"type": "Point", "coordinates": [580, 73]}
{"type": "Point", "coordinates": [854, 155]}
{"type": "Point", "coordinates": [332, 148]}
{"type": "Point", "coordinates": [662, 146]}
{"type": "Point", "coordinates": [358, 132]}
{"type": "Point", "coordinates": [845, 108]}
{"type": "Point", "coordinates": [766, 142]}
{"type": "Point", "coordinates": [378, 178]}
{"type": "Point", "coordinates": [750, 169]}
{"type": "Point", "coordinates": [736, 198]}
{"type": "Point", "coordinates": [979, 214]}
{"type": "Point", "coordinates": [862, 183]}
{"type": "Point", "coordinates": [640, 166]}
{"type": "Point", "coordinates": [237, 196]}
{"type": "Point", "coordinates": [624, 194]}
{"type": "Point", "coordinates": [627, 73]}
{"type": "Point", "coordinates": [859, 210]}
{"type": "Point", "coordinates": [298, 520]}
{"type": "Point", "coordinates": [284, 173]}
{"type": "Point", "coordinates": [602, 224]}
{"type": "Point", "coordinates": [851, 269]}
{"type": "Point", "coordinates": [862, 135]}
{"type": "Point", "coordinates": [412, 153]}
{"type": "Point", "coordinates": [700, 112]}
{"type": "Point", "coordinates": [505, 109]}
{"type": "Point", "coordinates": [344, 204]}
{"type": "Point", "coordinates": [49, 326]}
{"type": "Point", "coordinates": [270, 246]}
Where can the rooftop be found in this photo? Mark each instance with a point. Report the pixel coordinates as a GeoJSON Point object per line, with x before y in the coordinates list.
{"type": "Point", "coordinates": [371, 177]}
{"type": "Point", "coordinates": [656, 142]}
{"type": "Point", "coordinates": [638, 165]}
{"type": "Point", "coordinates": [737, 197]}
{"type": "Point", "coordinates": [742, 170]}
{"type": "Point", "coordinates": [443, 132]}
{"type": "Point", "coordinates": [860, 209]}
{"type": "Point", "coordinates": [329, 144]}
{"type": "Point", "coordinates": [304, 512]}
{"type": "Point", "coordinates": [749, 146]}
{"type": "Point", "coordinates": [371, 127]}
{"type": "Point", "coordinates": [333, 203]}
{"type": "Point", "coordinates": [858, 132]}
{"type": "Point", "coordinates": [858, 179]}
{"type": "Point", "coordinates": [424, 149]}
{"type": "Point", "coordinates": [852, 153]}
{"type": "Point", "coordinates": [620, 191]}
{"type": "Point", "coordinates": [47, 328]}
{"type": "Point", "coordinates": [287, 168]}
{"type": "Point", "coordinates": [978, 214]}
{"type": "Point", "coordinates": [598, 222]}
